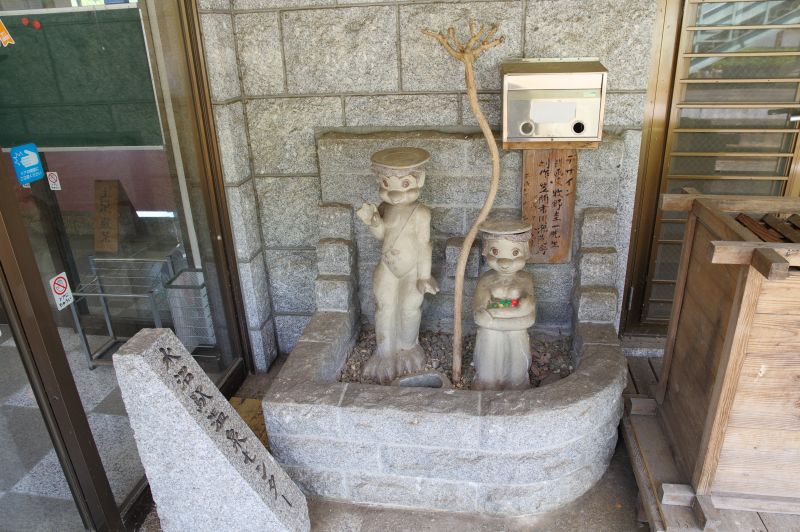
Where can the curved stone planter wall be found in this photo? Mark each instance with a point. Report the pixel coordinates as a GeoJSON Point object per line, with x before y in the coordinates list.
{"type": "Point", "coordinates": [502, 453]}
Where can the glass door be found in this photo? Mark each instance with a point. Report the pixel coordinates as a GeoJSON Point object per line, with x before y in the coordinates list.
{"type": "Point", "coordinates": [733, 124]}
{"type": "Point", "coordinates": [123, 212]}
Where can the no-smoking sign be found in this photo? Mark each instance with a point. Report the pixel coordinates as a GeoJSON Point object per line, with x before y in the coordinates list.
{"type": "Point", "coordinates": [53, 181]}
{"type": "Point", "coordinates": [62, 294]}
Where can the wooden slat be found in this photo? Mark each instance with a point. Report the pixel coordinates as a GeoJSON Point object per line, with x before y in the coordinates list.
{"type": "Point", "coordinates": [646, 491]}
{"type": "Point", "coordinates": [640, 405]}
{"type": "Point", "coordinates": [720, 223]}
{"type": "Point", "coordinates": [780, 297]}
{"type": "Point", "coordinates": [774, 53]}
{"type": "Point", "coordinates": [789, 231]}
{"type": "Point", "coordinates": [642, 375]}
{"type": "Point", "coordinates": [553, 145]}
{"type": "Point", "coordinates": [721, 105]}
{"type": "Point", "coordinates": [660, 468]}
{"type": "Point", "coordinates": [741, 521]}
{"type": "Point", "coordinates": [739, 80]}
{"type": "Point", "coordinates": [759, 462]}
{"type": "Point", "coordinates": [733, 355]}
{"type": "Point", "coordinates": [729, 252]}
{"type": "Point", "coordinates": [795, 220]}
{"type": "Point", "coordinates": [775, 335]}
{"type": "Point", "coordinates": [683, 203]}
{"type": "Point", "coordinates": [630, 386]}
{"type": "Point", "coordinates": [680, 494]}
{"type": "Point", "coordinates": [677, 305]}
{"type": "Point", "coordinates": [765, 234]}
{"type": "Point", "coordinates": [657, 363]}
{"type": "Point", "coordinates": [754, 503]}
{"type": "Point", "coordinates": [729, 177]}
{"type": "Point", "coordinates": [768, 395]}
{"type": "Point", "coordinates": [770, 264]}
{"type": "Point", "coordinates": [729, 154]}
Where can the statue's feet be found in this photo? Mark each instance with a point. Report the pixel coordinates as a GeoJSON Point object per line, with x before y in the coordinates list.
{"type": "Point", "coordinates": [385, 369]}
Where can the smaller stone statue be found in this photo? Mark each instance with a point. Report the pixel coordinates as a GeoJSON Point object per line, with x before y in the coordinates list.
{"type": "Point", "coordinates": [403, 275]}
{"type": "Point", "coordinates": [504, 307]}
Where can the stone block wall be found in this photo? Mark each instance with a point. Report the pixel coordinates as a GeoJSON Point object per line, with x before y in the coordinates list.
{"type": "Point", "coordinates": [282, 71]}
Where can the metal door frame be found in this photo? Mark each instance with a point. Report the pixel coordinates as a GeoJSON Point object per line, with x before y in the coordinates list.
{"type": "Point", "coordinates": [33, 323]}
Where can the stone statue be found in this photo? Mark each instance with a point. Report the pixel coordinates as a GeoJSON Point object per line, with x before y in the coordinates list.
{"type": "Point", "coordinates": [504, 307]}
{"type": "Point", "coordinates": [403, 275]}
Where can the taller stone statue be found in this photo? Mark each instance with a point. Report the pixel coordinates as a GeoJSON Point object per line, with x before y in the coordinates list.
{"type": "Point", "coordinates": [403, 275]}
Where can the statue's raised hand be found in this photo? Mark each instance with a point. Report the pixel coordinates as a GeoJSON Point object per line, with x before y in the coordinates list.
{"type": "Point", "coordinates": [428, 286]}
{"type": "Point", "coordinates": [368, 213]}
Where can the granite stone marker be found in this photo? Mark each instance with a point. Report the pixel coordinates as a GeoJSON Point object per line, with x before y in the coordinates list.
{"type": "Point", "coordinates": [206, 468]}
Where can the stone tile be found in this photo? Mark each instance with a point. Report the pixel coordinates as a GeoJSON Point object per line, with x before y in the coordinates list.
{"type": "Point", "coordinates": [23, 442]}
{"type": "Point", "coordinates": [556, 314]}
{"type": "Point", "coordinates": [336, 221]}
{"type": "Point", "coordinates": [411, 491]}
{"type": "Point", "coordinates": [244, 217]}
{"type": "Point", "coordinates": [329, 484]}
{"type": "Point", "coordinates": [541, 497]}
{"type": "Point", "coordinates": [598, 228]}
{"type": "Point", "coordinates": [347, 176]}
{"type": "Point", "coordinates": [614, 31]}
{"type": "Point", "coordinates": [355, 52]}
{"type": "Point", "coordinates": [214, 4]}
{"type": "Point", "coordinates": [335, 256]}
{"type": "Point", "coordinates": [30, 512]}
{"type": "Point", "coordinates": [552, 282]}
{"type": "Point", "coordinates": [12, 372]}
{"type": "Point", "coordinates": [409, 415]}
{"type": "Point", "coordinates": [291, 274]}
{"type": "Point", "coordinates": [607, 159]}
{"type": "Point", "coordinates": [334, 292]}
{"type": "Point", "coordinates": [491, 106]}
{"type": "Point", "coordinates": [597, 189]}
{"type": "Point", "coordinates": [598, 266]}
{"type": "Point", "coordinates": [223, 75]}
{"type": "Point", "coordinates": [230, 125]}
{"type": "Point", "coordinates": [471, 190]}
{"type": "Point", "coordinates": [303, 408]}
{"type": "Point", "coordinates": [624, 110]}
{"type": "Point", "coordinates": [273, 4]}
{"type": "Point", "coordinates": [255, 291]}
{"type": "Point", "coordinates": [428, 67]}
{"type": "Point", "coordinates": [447, 221]}
{"type": "Point", "coordinates": [288, 329]}
{"type": "Point", "coordinates": [402, 110]}
{"type": "Point", "coordinates": [282, 132]}
{"type": "Point", "coordinates": [289, 208]}
{"type": "Point", "coordinates": [258, 39]}
{"type": "Point", "coordinates": [452, 253]}
{"type": "Point", "coordinates": [597, 304]}
{"type": "Point", "coordinates": [324, 453]}
{"type": "Point", "coordinates": [264, 346]}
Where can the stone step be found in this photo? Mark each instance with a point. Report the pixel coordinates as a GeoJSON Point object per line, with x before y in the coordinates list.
{"type": "Point", "coordinates": [336, 221]}
{"type": "Point", "coordinates": [335, 256]}
{"type": "Point", "coordinates": [597, 266]}
{"type": "Point", "coordinates": [597, 304]}
{"type": "Point", "coordinates": [599, 227]}
{"type": "Point", "coordinates": [334, 292]}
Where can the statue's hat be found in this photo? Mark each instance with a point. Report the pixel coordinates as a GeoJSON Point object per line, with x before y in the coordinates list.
{"type": "Point", "coordinates": [514, 229]}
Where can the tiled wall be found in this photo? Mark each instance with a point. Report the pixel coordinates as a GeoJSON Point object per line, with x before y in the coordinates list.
{"type": "Point", "coordinates": [282, 70]}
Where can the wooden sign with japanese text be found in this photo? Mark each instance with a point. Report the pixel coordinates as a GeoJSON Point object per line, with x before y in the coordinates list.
{"type": "Point", "coordinates": [106, 216]}
{"type": "Point", "coordinates": [548, 202]}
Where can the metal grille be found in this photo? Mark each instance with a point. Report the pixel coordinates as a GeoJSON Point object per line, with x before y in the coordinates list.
{"type": "Point", "coordinates": [733, 123]}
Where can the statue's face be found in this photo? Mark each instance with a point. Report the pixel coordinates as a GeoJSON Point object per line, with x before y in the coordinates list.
{"type": "Point", "coordinates": [505, 256]}
{"type": "Point", "coordinates": [400, 190]}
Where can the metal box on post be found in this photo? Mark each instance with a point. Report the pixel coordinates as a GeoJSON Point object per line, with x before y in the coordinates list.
{"type": "Point", "coordinates": [553, 101]}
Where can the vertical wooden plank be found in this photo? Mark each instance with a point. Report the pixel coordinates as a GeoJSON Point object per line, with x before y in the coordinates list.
{"type": "Point", "coordinates": [643, 375]}
{"type": "Point", "coordinates": [106, 229]}
{"type": "Point", "coordinates": [548, 202]}
{"type": "Point", "coordinates": [727, 378]}
{"type": "Point", "coordinates": [677, 305]}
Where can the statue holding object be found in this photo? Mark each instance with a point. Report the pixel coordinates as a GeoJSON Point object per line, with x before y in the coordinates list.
{"type": "Point", "coordinates": [504, 307]}
{"type": "Point", "coordinates": [403, 276]}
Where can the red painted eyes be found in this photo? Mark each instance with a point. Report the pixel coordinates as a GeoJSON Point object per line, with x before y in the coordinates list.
{"type": "Point", "coordinates": [515, 252]}
{"type": "Point", "coordinates": [406, 183]}
{"type": "Point", "coordinates": [494, 251]}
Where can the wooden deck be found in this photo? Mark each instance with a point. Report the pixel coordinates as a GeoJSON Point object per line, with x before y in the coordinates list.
{"type": "Point", "coordinates": [667, 500]}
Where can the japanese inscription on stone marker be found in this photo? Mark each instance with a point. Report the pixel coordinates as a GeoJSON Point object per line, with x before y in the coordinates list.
{"type": "Point", "coordinates": [183, 378]}
{"type": "Point", "coordinates": [548, 202]}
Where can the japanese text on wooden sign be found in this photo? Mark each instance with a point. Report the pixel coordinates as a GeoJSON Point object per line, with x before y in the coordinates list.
{"type": "Point", "coordinates": [548, 202]}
